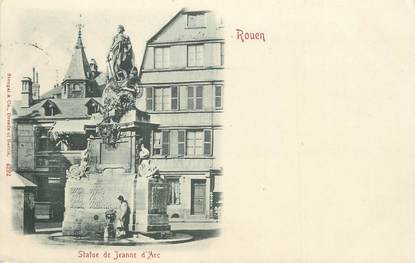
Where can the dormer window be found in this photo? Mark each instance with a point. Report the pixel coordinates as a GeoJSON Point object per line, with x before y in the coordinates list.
{"type": "Point", "coordinates": [50, 108]}
{"type": "Point", "coordinates": [196, 20]}
{"type": "Point", "coordinates": [49, 111]}
{"type": "Point", "coordinates": [92, 107]}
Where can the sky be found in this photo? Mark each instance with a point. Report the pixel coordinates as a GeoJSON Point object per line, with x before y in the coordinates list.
{"type": "Point", "coordinates": [45, 39]}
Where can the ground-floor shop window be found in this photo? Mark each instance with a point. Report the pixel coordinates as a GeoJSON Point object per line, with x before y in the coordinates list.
{"type": "Point", "coordinates": [174, 191]}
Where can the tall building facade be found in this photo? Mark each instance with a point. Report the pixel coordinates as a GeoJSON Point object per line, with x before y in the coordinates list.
{"type": "Point", "coordinates": [182, 79]}
{"type": "Point", "coordinates": [183, 83]}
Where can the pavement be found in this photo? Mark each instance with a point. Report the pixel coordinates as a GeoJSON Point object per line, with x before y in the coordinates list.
{"type": "Point", "coordinates": [202, 233]}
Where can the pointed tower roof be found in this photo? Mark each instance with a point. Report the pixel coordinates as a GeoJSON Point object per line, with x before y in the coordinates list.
{"type": "Point", "coordinates": [78, 67]}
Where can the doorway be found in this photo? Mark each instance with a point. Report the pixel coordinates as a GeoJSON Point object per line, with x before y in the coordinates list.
{"type": "Point", "coordinates": [198, 192]}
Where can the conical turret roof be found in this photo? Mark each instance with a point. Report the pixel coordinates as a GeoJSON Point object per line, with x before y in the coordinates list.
{"type": "Point", "coordinates": [78, 67]}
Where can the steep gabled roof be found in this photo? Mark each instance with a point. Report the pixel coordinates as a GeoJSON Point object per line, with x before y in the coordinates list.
{"type": "Point", "coordinates": [79, 66]}
{"type": "Point", "coordinates": [177, 30]}
{"type": "Point", "coordinates": [166, 25]}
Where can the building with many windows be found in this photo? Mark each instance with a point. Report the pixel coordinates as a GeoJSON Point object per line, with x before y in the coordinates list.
{"type": "Point", "coordinates": [65, 110]}
{"type": "Point", "coordinates": [182, 80]}
{"type": "Point", "coordinates": [182, 77]}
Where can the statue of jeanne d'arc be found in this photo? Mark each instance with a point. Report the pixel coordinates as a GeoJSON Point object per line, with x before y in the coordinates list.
{"type": "Point", "coordinates": [120, 55]}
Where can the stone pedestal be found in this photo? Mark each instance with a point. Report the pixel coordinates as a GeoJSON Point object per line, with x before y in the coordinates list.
{"type": "Point", "coordinates": [112, 171]}
{"type": "Point", "coordinates": [151, 207]}
{"type": "Point", "coordinates": [87, 200]}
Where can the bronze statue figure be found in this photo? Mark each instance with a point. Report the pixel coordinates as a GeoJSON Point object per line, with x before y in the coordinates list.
{"type": "Point", "coordinates": [120, 56]}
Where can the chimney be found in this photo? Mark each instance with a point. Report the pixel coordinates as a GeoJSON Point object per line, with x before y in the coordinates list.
{"type": "Point", "coordinates": [36, 85]}
{"type": "Point", "coordinates": [26, 93]}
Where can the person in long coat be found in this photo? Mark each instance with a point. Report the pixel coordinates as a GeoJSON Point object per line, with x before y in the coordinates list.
{"type": "Point", "coordinates": [124, 216]}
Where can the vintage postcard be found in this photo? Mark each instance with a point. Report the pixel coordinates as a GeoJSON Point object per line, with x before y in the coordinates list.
{"type": "Point", "coordinates": [114, 129]}
{"type": "Point", "coordinates": [207, 131]}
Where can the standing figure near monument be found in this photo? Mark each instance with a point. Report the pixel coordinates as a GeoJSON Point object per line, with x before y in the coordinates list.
{"type": "Point", "coordinates": [120, 55]}
{"type": "Point", "coordinates": [124, 216]}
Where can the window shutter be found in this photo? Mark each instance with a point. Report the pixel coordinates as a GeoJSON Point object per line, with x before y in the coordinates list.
{"type": "Point", "coordinates": [181, 142]}
{"type": "Point", "coordinates": [149, 98]}
{"type": "Point", "coordinates": [165, 141]}
{"type": "Point", "coordinates": [199, 97]}
{"type": "Point", "coordinates": [190, 98]}
{"type": "Point", "coordinates": [207, 149]}
{"type": "Point", "coordinates": [174, 98]}
{"type": "Point", "coordinates": [218, 97]}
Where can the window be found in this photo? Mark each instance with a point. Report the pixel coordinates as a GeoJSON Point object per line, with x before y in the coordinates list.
{"type": "Point", "coordinates": [149, 98]}
{"type": "Point", "coordinates": [162, 99]}
{"type": "Point", "coordinates": [76, 87]}
{"type": "Point", "coordinates": [93, 108]}
{"type": "Point", "coordinates": [194, 143]}
{"type": "Point", "coordinates": [157, 143]}
{"type": "Point", "coordinates": [218, 97]}
{"type": "Point", "coordinates": [161, 142]}
{"type": "Point", "coordinates": [174, 191]}
{"type": "Point", "coordinates": [162, 57]}
{"type": "Point", "coordinates": [195, 55]}
{"type": "Point", "coordinates": [196, 20]}
{"type": "Point", "coordinates": [195, 101]}
{"type": "Point", "coordinates": [50, 110]}
{"type": "Point", "coordinates": [43, 142]}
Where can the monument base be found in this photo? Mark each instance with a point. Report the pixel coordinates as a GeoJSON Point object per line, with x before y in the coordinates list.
{"type": "Point", "coordinates": [87, 200]}
{"type": "Point", "coordinates": [151, 208]}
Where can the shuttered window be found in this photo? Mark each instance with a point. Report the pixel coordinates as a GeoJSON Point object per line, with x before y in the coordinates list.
{"type": "Point", "coordinates": [149, 99]}
{"type": "Point", "coordinates": [194, 143]}
{"type": "Point", "coordinates": [195, 101]}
